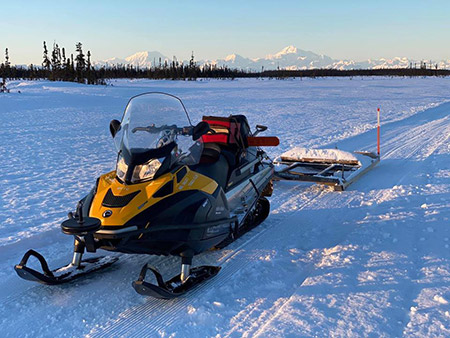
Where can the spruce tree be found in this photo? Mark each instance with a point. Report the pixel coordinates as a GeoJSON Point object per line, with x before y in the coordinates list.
{"type": "Point", "coordinates": [88, 63]}
{"type": "Point", "coordinates": [5, 68]}
{"type": "Point", "coordinates": [31, 69]}
{"type": "Point", "coordinates": [46, 62]}
{"type": "Point", "coordinates": [81, 62]}
{"type": "Point", "coordinates": [63, 55]}
{"type": "Point", "coordinates": [7, 63]}
{"type": "Point", "coordinates": [56, 62]}
{"type": "Point", "coordinates": [191, 61]}
{"type": "Point", "coordinates": [89, 71]}
{"type": "Point", "coordinates": [71, 69]}
{"type": "Point", "coordinates": [64, 66]}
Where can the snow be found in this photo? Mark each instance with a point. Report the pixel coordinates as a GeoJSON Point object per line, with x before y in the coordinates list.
{"type": "Point", "coordinates": [318, 155]}
{"type": "Point", "coordinates": [286, 50]}
{"type": "Point", "coordinates": [369, 261]}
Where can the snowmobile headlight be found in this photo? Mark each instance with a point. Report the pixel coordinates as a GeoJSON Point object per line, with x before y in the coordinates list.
{"type": "Point", "coordinates": [121, 168]}
{"type": "Point", "coordinates": [146, 171]}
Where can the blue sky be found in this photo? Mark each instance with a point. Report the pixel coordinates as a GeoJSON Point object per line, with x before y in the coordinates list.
{"type": "Point", "coordinates": [212, 29]}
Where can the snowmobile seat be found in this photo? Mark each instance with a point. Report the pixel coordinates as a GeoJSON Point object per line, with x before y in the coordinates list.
{"type": "Point", "coordinates": [215, 167]}
{"type": "Point", "coordinates": [210, 153]}
{"type": "Point", "coordinates": [231, 158]}
{"type": "Point", "coordinates": [216, 163]}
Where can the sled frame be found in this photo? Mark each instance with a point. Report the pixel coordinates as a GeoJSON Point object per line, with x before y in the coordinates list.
{"type": "Point", "coordinates": [334, 174]}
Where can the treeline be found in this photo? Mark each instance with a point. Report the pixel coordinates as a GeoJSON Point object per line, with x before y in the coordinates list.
{"type": "Point", "coordinates": [410, 72]}
{"type": "Point", "coordinates": [56, 66]}
{"type": "Point", "coordinates": [59, 66]}
{"type": "Point", "coordinates": [170, 70]}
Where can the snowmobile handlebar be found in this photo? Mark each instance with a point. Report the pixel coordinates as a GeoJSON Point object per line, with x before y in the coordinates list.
{"type": "Point", "coordinates": [196, 132]}
{"type": "Point", "coordinates": [153, 129]}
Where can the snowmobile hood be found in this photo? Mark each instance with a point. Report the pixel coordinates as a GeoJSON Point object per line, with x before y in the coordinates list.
{"type": "Point", "coordinates": [115, 203]}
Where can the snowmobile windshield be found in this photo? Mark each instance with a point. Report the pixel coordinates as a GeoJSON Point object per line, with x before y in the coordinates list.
{"type": "Point", "coordinates": [155, 133]}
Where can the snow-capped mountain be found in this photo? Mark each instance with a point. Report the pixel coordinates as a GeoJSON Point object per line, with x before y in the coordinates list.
{"type": "Point", "coordinates": [289, 57]}
{"type": "Point", "coordinates": [146, 59]}
{"type": "Point", "coordinates": [293, 58]}
{"type": "Point", "coordinates": [373, 64]}
{"type": "Point", "coordinates": [140, 59]}
{"type": "Point", "coordinates": [231, 61]}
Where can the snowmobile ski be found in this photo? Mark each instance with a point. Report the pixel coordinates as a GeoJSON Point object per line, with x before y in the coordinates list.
{"type": "Point", "coordinates": [63, 274]}
{"type": "Point", "coordinates": [175, 287]}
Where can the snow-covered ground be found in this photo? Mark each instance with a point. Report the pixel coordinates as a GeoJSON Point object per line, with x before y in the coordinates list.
{"type": "Point", "coordinates": [371, 261]}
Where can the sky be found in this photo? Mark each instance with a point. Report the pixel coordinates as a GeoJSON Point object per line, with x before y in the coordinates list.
{"type": "Point", "coordinates": [341, 29]}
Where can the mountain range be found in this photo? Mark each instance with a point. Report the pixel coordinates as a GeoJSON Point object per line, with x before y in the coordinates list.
{"type": "Point", "coordinates": [290, 58]}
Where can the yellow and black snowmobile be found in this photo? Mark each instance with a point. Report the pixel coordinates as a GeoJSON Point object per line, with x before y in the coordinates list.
{"type": "Point", "coordinates": [178, 189]}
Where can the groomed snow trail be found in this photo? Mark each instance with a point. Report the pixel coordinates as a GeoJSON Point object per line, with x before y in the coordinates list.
{"type": "Point", "coordinates": [372, 285]}
{"type": "Point", "coordinates": [370, 260]}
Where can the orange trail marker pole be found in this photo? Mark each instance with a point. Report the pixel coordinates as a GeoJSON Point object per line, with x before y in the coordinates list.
{"type": "Point", "coordinates": [378, 132]}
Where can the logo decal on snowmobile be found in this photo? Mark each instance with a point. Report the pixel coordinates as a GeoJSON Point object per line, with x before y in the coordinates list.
{"type": "Point", "coordinates": [107, 213]}
{"type": "Point", "coordinates": [193, 180]}
{"type": "Point", "coordinates": [142, 205]}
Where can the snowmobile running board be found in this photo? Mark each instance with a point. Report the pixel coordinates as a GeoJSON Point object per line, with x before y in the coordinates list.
{"type": "Point", "coordinates": [325, 166]}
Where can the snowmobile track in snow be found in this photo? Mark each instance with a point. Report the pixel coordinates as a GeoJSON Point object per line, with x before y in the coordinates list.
{"type": "Point", "coordinates": [437, 132]}
{"type": "Point", "coordinates": [160, 313]}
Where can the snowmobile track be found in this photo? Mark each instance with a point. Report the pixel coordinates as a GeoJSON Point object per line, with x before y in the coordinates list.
{"type": "Point", "coordinates": [405, 144]}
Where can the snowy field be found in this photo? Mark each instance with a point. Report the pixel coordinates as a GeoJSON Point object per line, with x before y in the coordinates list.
{"type": "Point", "coordinates": [371, 261]}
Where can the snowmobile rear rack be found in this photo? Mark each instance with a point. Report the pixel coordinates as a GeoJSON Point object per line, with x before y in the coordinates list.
{"type": "Point", "coordinates": [325, 166]}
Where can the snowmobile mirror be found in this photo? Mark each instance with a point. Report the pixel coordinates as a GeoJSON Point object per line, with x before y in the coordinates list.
{"type": "Point", "coordinates": [114, 127]}
{"type": "Point", "coordinates": [200, 129]}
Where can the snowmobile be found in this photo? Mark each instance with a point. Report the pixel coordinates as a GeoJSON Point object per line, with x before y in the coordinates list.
{"type": "Point", "coordinates": [178, 189]}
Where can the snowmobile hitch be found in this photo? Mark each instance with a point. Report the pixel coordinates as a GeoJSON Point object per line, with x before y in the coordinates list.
{"type": "Point", "coordinates": [175, 287]}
